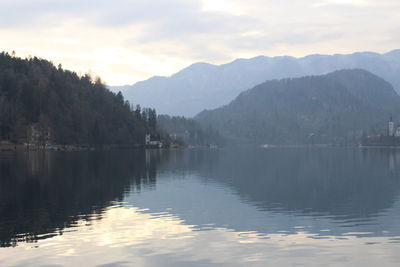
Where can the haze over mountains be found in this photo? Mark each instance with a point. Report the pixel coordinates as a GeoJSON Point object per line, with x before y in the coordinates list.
{"type": "Point", "coordinates": [205, 86]}
{"type": "Point", "coordinates": [335, 108]}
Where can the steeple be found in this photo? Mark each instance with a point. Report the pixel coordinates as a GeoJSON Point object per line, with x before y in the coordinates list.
{"type": "Point", "coordinates": [391, 127]}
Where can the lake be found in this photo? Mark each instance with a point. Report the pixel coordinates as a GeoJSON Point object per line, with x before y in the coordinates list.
{"type": "Point", "coordinates": [217, 207]}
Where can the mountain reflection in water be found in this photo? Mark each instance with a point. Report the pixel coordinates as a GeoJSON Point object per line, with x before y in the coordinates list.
{"type": "Point", "coordinates": [281, 206]}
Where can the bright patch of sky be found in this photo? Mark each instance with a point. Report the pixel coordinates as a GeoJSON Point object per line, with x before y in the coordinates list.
{"type": "Point", "coordinates": [346, 2]}
{"type": "Point", "coordinates": [225, 6]}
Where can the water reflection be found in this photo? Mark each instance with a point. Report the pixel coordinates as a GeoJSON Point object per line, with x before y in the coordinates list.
{"type": "Point", "coordinates": [41, 194]}
{"type": "Point", "coordinates": [168, 208]}
{"type": "Point", "coordinates": [131, 237]}
{"type": "Point", "coordinates": [347, 190]}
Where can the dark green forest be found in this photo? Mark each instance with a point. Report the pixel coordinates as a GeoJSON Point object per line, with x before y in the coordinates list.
{"type": "Point", "coordinates": [71, 109]}
{"type": "Point", "coordinates": [189, 131]}
{"type": "Point", "coordinates": [337, 108]}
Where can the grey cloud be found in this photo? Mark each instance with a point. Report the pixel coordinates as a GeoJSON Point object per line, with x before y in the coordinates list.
{"type": "Point", "coordinates": [181, 22]}
{"type": "Point", "coordinates": [164, 19]}
{"type": "Point", "coordinates": [260, 44]}
{"type": "Point", "coordinates": [196, 24]}
{"type": "Point", "coordinates": [28, 13]}
{"type": "Point", "coordinates": [103, 12]}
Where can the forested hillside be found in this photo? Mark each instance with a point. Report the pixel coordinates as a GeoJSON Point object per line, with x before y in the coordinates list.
{"type": "Point", "coordinates": [334, 108]}
{"type": "Point", "coordinates": [189, 131]}
{"type": "Point", "coordinates": [34, 94]}
{"type": "Point", "coordinates": [206, 86]}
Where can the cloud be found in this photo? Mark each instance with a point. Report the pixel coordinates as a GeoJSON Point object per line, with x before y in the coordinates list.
{"type": "Point", "coordinates": [342, 2]}
{"type": "Point", "coordinates": [129, 40]}
{"type": "Point", "coordinates": [97, 12]}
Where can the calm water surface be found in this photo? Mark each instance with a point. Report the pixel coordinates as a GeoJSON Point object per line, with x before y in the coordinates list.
{"type": "Point", "coordinates": [247, 207]}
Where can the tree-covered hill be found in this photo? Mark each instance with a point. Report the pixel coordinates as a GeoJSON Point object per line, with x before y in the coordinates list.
{"type": "Point", "coordinates": [206, 86]}
{"type": "Point", "coordinates": [189, 131]}
{"type": "Point", "coordinates": [333, 108]}
{"type": "Point", "coordinates": [71, 109]}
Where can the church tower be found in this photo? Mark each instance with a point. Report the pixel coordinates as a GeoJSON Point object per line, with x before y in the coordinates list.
{"type": "Point", "coordinates": [391, 127]}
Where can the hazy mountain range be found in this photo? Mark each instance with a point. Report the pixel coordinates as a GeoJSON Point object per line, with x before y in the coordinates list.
{"type": "Point", "coordinates": [332, 108]}
{"type": "Point", "coordinates": [206, 86]}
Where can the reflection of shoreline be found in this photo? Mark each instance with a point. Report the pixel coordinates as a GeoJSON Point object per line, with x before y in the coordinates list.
{"type": "Point", "coordinates": [211, 204]}
{"type": "Point", "coordinates": [248, 206]}
{"type": "Point", "coordinates": [391, 154]}
{"type": "Point", "coordinates": [45, 192]}
{"type": "Point", "coordinates": [343, 184]}
{"type": "Point", "coordinates": [352, 182]}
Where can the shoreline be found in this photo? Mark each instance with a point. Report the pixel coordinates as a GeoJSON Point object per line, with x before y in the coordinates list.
{"type": "Point", "coordinates": [22, 147]}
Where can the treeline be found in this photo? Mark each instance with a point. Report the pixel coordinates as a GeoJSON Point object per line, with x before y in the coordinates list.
{"type": "Point", "coordinates": [72, 109]}
{"type": "Point", "coordinates": [188, 131]}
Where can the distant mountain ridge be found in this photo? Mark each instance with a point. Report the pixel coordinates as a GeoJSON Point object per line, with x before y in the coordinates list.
{"type": "Point", "coordinates": [206, 86]}
{"type": "Point", "coordinates": [333, 108]}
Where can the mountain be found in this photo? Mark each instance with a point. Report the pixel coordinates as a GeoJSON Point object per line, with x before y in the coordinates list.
{"type": "Point", "coordinates": [332, 108]}
{"type": "Point", "coordinates": [40, 101]}
{"type": "Point", "coordinates": [205, 86]}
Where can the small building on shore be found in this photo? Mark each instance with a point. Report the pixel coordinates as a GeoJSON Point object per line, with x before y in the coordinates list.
{"type": "Point", "coordinates": [153, 141]}
{"type": "Point", "coordinates": [38, 136]}
{"type": "Point", "coordinates": [390, 138]}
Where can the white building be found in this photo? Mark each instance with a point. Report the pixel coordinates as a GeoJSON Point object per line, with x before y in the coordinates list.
{"type": "Point", "coordinates": [150, 142]}
{"type": "Point", "coordinates": [391, 127]}
{"type": "Point", "coordinates": [397, 133]}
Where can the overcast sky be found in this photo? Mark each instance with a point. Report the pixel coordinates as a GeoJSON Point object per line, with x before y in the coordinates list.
{"type": "Point", "coordinates": [124, 41]}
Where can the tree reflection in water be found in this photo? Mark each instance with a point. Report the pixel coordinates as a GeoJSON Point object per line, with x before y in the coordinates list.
{"type": "Point", "coordinates": [43, 193]}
